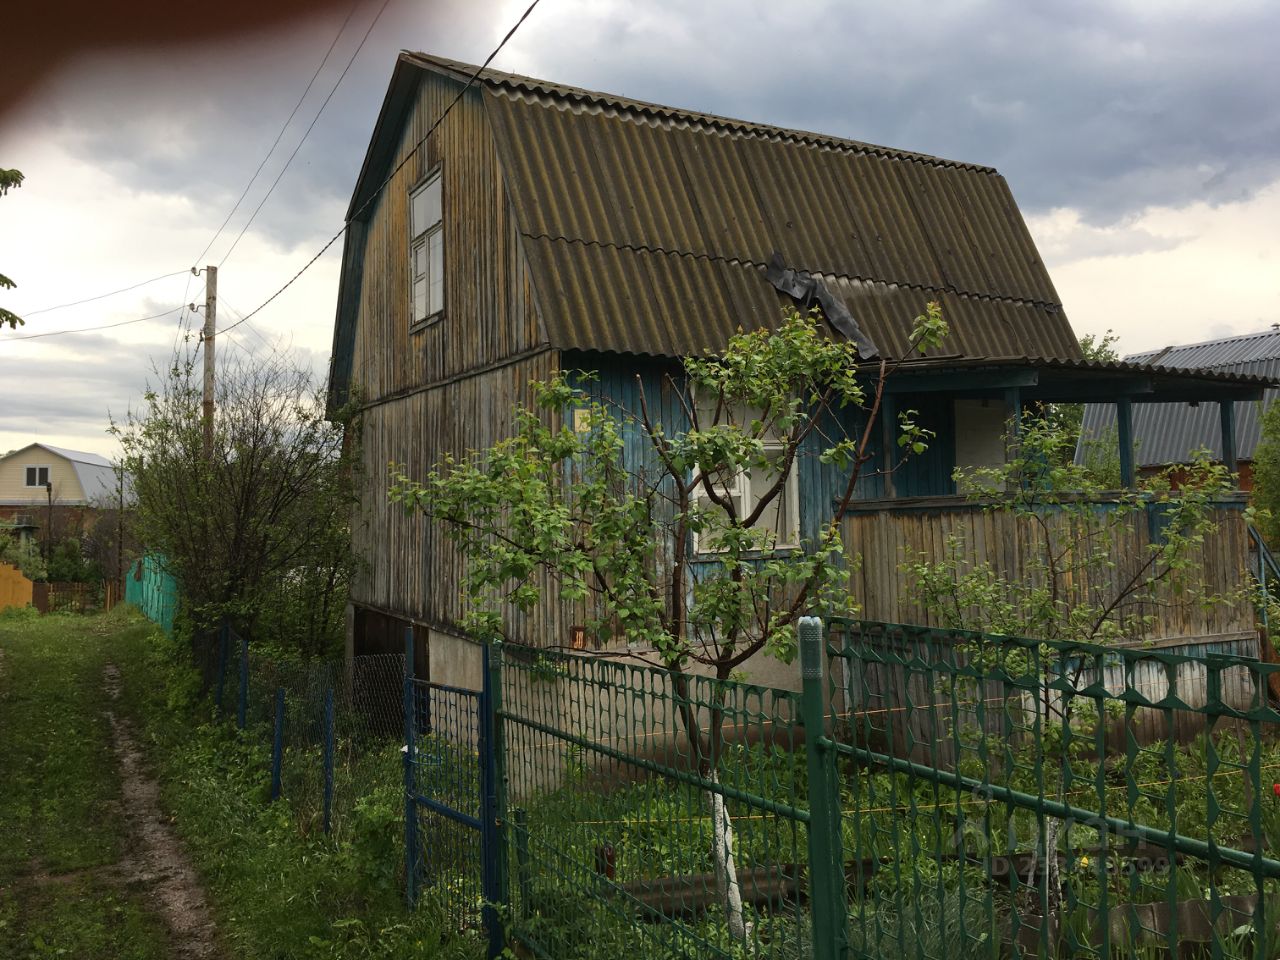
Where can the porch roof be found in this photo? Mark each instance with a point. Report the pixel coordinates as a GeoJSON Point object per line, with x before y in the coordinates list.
{"type": "Point", "coordinates": [1067, 381]}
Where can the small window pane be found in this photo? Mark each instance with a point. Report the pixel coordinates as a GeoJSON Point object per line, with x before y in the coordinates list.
{"type": "Point", "coordinates": [420, 298]}
{"type": "Point", "coordinates": [31, 476]}
{"type": "Point", "coordinates": [425, 208]}
{"type": "Point", "coordinates": [779, 516]}
{"type": "Point", "coordinates": [434, 209]}
{"type": "Point", "coordinates": [419, 259]}
{"type": "Point", "coordinates": [435, 271]}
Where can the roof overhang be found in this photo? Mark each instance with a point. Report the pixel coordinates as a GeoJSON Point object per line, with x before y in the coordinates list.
{"type": "Point", "coordinates": [1073, 381]}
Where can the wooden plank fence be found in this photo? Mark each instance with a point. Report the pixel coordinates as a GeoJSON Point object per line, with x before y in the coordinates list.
{"type": "Point", "coordinates": [892, 533]}
{"type": "Point", "coordinates": [15, 589]}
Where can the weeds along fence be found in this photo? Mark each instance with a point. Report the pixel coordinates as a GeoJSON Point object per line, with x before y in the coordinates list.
{"type": "Point", "coordinates": [923, 794]}
{"type": "Point", "coordinates": [334, 729]}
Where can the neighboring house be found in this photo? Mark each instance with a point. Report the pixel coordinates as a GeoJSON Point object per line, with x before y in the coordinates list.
{"type": "Point", "coordinates": [1169, 434]}
{"type": "Point", "coordinates": [39, 480]}
{"type": "Point", "coordinates": [544, 227]}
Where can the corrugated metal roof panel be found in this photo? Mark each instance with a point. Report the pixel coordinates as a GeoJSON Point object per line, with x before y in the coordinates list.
{"type": "Point", "coordinates": [641, 301]}
{"type": "Point", "coordinates": [619, 104]}
{"type": "Point", "coordinates": [652, 195]}
{"type": "Point", "coordinates": [1247, 348]}
{"type": "Point", "coordinates": [1171, 432]}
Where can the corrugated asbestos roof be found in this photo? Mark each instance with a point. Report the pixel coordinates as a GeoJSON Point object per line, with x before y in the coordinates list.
{"type": "Point", "coordinates": [1171, 432]}
{"type": "Point", "coordinates": [648, 227]}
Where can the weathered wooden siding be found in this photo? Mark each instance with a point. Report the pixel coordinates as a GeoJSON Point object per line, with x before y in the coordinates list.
{"type": "Point", "coordinates": [489, 312]}
{"type": "Point", "coordinates": [890, 534]}
{"type": "Point", "coordinates": [450, 386]}
{"type": "Point", "coordinates": [621, 380]}
{"type": "Point", "coordinates": [409, 569]}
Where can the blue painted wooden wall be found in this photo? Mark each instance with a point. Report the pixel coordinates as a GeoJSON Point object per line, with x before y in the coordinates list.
{"type": "Point", "coordinates": [621, 380]}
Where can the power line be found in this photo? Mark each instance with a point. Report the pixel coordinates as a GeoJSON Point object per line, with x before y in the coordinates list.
{"type": "Point", "coordinates": [100, 296]}
{"type": "Point", "coordinates": [105, 326]}
{"type": "Point", "coordinates": [314, 120]}
{"type": "Point", "coordinates": [382, 186]}
{"type": "Point", "coordinates": [222, 301]}
{"type": "Point", "coordinates": [280, 135]}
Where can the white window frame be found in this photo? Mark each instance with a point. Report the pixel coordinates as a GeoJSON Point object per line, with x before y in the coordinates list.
{"type": "Point", "coordinates": [48, 470]}
{"type": "Point", "coordinates": [424, 240]}
{"type": "Point", "coordinates": [739, 488]}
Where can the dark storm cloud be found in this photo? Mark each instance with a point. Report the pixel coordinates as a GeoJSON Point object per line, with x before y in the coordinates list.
{"type": "Point", "coordinates": [77, 391]}
{"type": "Point", "coordinates": [196, 119]}
{"type": "Point", "coordinates": [1106, 107]}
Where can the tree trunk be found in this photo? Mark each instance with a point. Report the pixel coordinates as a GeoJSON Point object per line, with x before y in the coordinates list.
{"type": "Point", "coordinates": [1052, 868]}
{"type": "Point", "coordinates": [707, 754]}
{"type": "Point", "coordinates": [726, 864]}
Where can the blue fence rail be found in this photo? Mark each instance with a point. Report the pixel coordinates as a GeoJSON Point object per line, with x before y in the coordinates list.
{"type": "Point", "coordinates": [333, 730]}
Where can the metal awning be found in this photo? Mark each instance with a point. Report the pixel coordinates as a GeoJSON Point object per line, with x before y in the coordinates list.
{"type": "Point", "coordinates": [1068, 381]}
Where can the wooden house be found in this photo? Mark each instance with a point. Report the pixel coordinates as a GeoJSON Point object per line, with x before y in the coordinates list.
{"type": "Point", "coordinates": [43, 486]}
{"type": "Point", "coordinates": [533, 226]}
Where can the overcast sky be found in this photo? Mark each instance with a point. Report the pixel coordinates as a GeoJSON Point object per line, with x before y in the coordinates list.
{"type": "Point", "coordinates": [1141, 140]}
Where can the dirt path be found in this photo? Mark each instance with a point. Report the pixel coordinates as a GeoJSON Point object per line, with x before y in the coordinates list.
{"type": "Point", "coordinates": [156, 859]}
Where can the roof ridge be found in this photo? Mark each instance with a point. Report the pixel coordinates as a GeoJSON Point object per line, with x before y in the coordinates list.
{"type": "Point", "coordinates": [1234, 338]}
{"type": "Point", "coordinates": [563, 91]}
{"type": "Point", "coordinates": [742, 261]}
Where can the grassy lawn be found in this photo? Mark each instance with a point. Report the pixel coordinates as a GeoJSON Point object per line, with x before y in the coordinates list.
{"type": "Point", "coordinates": [59, 806]}
{"type": "Point", "coordinates": [278, 887]}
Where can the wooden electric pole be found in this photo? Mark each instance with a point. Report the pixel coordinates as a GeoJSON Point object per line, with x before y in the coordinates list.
{"type": "Point", "coordinates": [210, 318]}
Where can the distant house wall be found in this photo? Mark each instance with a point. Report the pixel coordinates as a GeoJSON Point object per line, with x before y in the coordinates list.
{"type": "Point", "coordinates": [13, 480]}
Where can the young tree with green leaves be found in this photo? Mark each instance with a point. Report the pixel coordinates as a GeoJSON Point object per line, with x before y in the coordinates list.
{"type": "Point", "coordinates": [690, 554]}
{"type": "Point", "coordinates": [1101, 454]}
{"type": "Point", "coordinates": [8, 180]}
{"type": "Point", "coordinates": [259, 531]}
{"type": "Point", "coordinates": [1078, 582]}
{"type": "Point", "coordinates": [1266, 477]}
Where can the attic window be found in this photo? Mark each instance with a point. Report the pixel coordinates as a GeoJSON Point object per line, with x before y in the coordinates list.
{"type": "Point", "coordinates": [37, 476]}
{"type": "Point", "coordinates": [426, 249]}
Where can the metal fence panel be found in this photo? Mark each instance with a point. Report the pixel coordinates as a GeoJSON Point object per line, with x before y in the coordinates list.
{"type": "Point", "coordinates": [628, 835]}
{"type": "Point", "coordinates": [1011, 797]}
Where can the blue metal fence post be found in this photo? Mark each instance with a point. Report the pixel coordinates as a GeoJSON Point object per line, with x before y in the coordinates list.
{"type": "Point", "coordinates": [277, 745]}
{"type": "Point", "coordinates": [223, 642]}
{"type": "Point", "coordinates": [410, 789]}
{"type": "Point", "coordinates": [242, 704]}
{"type": "Point", "coordinates": [826, 849]}
{"type": "Point", "coordinates": [491, 832]}
{"type": "Point", "coordinates": [328, 758]}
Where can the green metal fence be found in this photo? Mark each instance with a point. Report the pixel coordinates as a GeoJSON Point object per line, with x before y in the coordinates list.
{"type": "Point", "coordinates": [629, 835]}
{"type": "Point", "coordinates": [1011, 797]}
{"type": "Point", "coordinates": [923, 794]}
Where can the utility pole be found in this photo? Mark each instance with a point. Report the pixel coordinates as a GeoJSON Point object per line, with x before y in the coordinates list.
{"type": "Point", "coordinates": [48, 524]}
{"type": "Point", "coordinates": [210, 317]}
{"type": "Point", "coordinates": [120, 534]}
